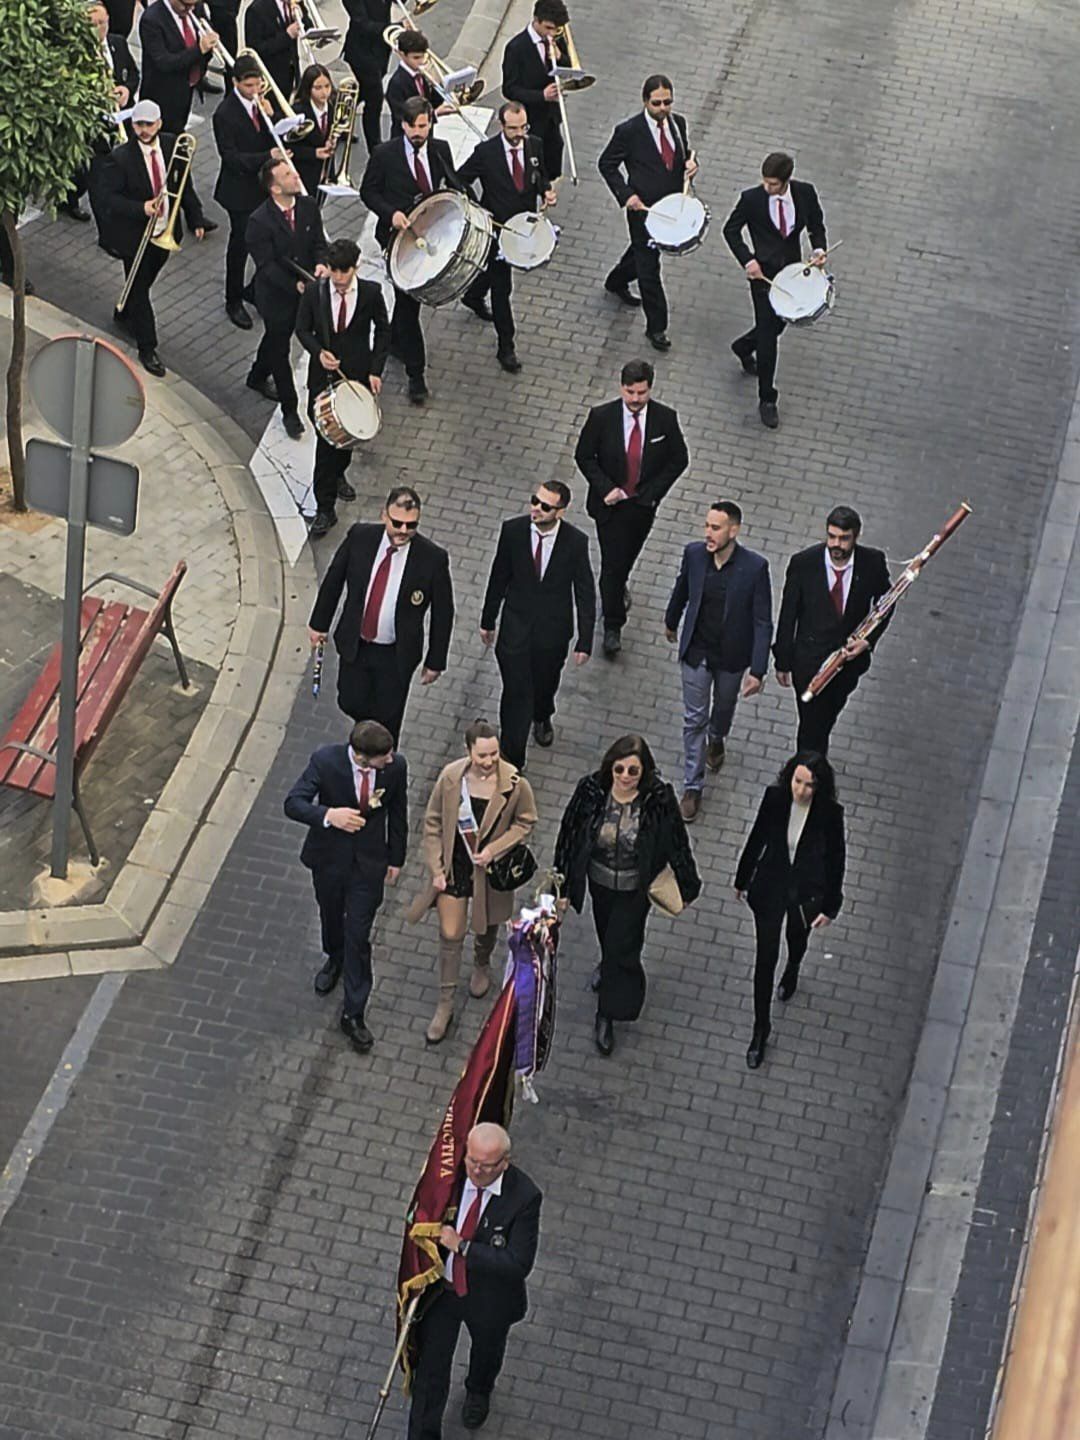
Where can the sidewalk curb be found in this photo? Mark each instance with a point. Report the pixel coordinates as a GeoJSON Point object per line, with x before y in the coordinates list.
{"type": "Point", "coordinates": [158, 891]}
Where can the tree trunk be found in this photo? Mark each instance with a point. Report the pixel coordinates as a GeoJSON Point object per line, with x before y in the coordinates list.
{"type": "Point", "coordinates": [16, 364]}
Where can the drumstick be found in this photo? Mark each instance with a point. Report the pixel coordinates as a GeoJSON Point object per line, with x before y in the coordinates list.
{"type": "Point", "coordinates": [687, 179]}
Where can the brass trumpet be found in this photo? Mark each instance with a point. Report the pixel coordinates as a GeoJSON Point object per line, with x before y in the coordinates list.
{"type": "Point", "coordinates": [342, 124]}
{"type": "Point", "coordinates": [179, 161]}
{"type": "Point", "coordinates": [462, 94]}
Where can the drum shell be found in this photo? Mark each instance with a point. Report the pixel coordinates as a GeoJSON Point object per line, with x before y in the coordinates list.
{"type": "Point", "coordinates": [795, 279]}
{"type": "Point", "coordinates": [685, 245]}
{"type": "Point", "coordinates": [463, 264]}
{"type": "Point", "coordinates": [326, 413]}
{"type": "Point", "coordinates": [543, 224]}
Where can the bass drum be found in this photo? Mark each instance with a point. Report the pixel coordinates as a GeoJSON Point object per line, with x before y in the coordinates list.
{"type": "Point", "coordinates": [528, 241]}
{"type": "Point", "coordinates": [802, 294]}
{"type": "Point", "coordinates": [444, 249]}
{"type": "Point", "coordinates": [677, 224]}
{"type": "Point", "coordinates": [346, 415]}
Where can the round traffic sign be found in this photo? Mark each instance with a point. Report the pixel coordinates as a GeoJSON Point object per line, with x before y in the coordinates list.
{"type": "Point", "coordinates": [119, 400]}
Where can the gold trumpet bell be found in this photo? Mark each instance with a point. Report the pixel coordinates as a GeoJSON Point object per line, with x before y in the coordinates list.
{"type": "Point", "coordinates": [469, 94]}
{"type": "Point", "coordinates": [166, 240]}
{"type": "Point", "coordinates": [421, 7]}
{"type": "Point", "coordinates": [578, 80]}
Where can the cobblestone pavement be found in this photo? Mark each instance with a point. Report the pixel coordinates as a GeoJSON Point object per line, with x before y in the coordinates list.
{"type": "Point", "coordinates": [207, 1242]}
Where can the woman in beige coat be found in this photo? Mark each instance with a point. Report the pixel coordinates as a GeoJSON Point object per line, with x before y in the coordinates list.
{"type": "Point", "coordinates": [480, 807]}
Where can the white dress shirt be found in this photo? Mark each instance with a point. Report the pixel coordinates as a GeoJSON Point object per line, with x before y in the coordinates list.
{"type": "Point", "coordinates": [351, 296]}
{"type": "Point", "coordinates": [148, 152]}
{"type": "Point", "coordinates": [468, 1195]}
{"type": "Point", "coordinates": [542, 45]}
{"type": "Point", "coordinates": [358, 773]}
{"type": "Point", "coordinates": [510, 152]}
{"type": "Point", "coordinates": [180, 20]}
{"type": "Point", "coordinates": [654, 130]}
{"type": "Point", "coordinates": [547, 544]}
{"type": "Point", "coordinates": [845, 573]}
{"type": "Point", "coordinates": [412, 156]}
{"type": "Point", "coordinates": [386, 633]}
{"type": "Point", "coordinates": [788, 204]}
{"type": "Point", "coordinates": [628, 418]}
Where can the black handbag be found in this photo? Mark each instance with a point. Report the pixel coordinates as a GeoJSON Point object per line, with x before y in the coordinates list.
{"type": "Point", "coordinates": [516, 867]}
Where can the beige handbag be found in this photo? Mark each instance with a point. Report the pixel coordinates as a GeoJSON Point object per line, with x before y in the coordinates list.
{"type": "Point", "coordinates": [665, 894]}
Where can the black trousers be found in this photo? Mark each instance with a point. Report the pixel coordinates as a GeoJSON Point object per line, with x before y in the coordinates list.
{"type": "Point", "coordinates": [371, 687]}
{"type": "Point", "coordinates": [121, 16]}
{"type": "Point", "coordinates": [436, 1339]}
{"type": "Point", "coordinates": [496, 279]}
{"type": "Point", "coordinates": [530, 682]}
{"type": "Point", "coordinates": [818, 716]}
{"type": "Point", "coordinates": [175, 116]}
{"type": "Point", "coordinates": [236, 256]}
{"type": "Point", "coordinates": [330, 467]}
{"type": "Point", "coordinates": [223, 20]}
{"type": "Point", "coordinates": [551, 139]}
{"type": "Point", "coordinates": [138, 311]}
{"type": "Point", "coordinates": [622, 531]}
{"type": "Point", "coordinates": [370, 81]}
{"type": "Point", "coordinates": [274, 356]}
{"type": "Point", "coordinates": [762, 340]}
{"type": "Point", "coordinates": [348, 904]}
{"type": "Point", "coordinates": [620, 917]}
{"type": "Point", "coordinates": [640, 261]}
{"type": "Point", "coordinates": [767, 927]}
{"type": "Point", "coordinates": [407, 336]}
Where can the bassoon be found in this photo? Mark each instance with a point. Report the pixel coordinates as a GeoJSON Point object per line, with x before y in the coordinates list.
{"type": "Point", "coordinates": [884, 604]}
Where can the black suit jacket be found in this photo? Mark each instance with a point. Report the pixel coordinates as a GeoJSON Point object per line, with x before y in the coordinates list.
{"type": "Point", "coordinates": [361, 347]}
{"type": "Point", "coordinates": [524, 78]}
{"type": "Point", "coordinates": [124, 69]}
{"type": "Point", "coordinates": [536, 612]}
{"type": "Point", "coordinates": [747, 606]}
{"type": "Point", "coordinates": [389, 184]}
{"type": "Point", "coordinates": [365, 48]}
{"type": "Point", "coordinates": [425, 585]}
{"type": "Point", "coordinates": [498, 194]}
{"type": "Point", "coordinates": [601, 455]}
{"type": "Point", "coordinates": [326, 784]}
{"type": "Point", "coordinates": [401, 87]}
{"type": "Point", "coordinates": [243, 150]}
{"type": "Point", "coordinates": [631, 163]}
{"type": "Point", "coordinates": [503, 1250]}
{"type": "Point", "coordinates": [273, 243]}
{"type": "Point", "coordinates": [814, 879]}
{"type": "Point", "coordinates": [767, 246]}
{"type": "Point", "coordinates": [809, 629]}
{"type": "Point", "coordinates": [306, 161]}
{"type": "Point", "coordinates": [167, 61]}
{"type": "Point", "coordinates": [120, 188]}
{"type": "Point", "coordinates": [264, 31]}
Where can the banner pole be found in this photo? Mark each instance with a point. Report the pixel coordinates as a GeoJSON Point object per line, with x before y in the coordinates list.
{"type": "Point", "coordinates": [388, 1383]}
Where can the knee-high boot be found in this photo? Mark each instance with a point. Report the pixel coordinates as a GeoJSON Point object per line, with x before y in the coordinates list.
{"type": "Point", "coordinates": [483, 946]}
{"type": "Point", "coordinates": [449, 969]}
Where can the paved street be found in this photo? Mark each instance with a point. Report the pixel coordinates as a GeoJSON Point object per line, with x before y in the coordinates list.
{"type": "Point", "coordinates": [207, 1243]}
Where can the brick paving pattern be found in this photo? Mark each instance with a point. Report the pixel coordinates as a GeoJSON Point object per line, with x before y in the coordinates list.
{"type": "Point", "coordinates": [207, 1242]}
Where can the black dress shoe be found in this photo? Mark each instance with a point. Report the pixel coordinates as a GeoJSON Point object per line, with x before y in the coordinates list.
{"type": "Point", "coordinates": [594, 980]}
{"type": "Point", "coordinates": [328, 977]}
{"type": "Point", "coordinates": [509, 361]}
{"type": "Point", "coordinates": [357, 1033]}
{"type": "Point", "coordinates": [239, 316]}
{"type": "Point", "coordinates": [265, 387]}
{"type": "Point", "coordinates": [756, 1052]}
{"type": "Point", "coordinates": [605, 1035]}
{"type": "Point", "coordinates": [612, 641]}
{"type": "Point", "coordinates": [474, 1410]}
{"type": "Point", "coordinates": [747, 361]}
{"type": "Point", "coordinates": [627, 599]}
{"type": "Point", "coordinates": [418, 391]}
{"type": "Point", "coordinates": [480, 309]}
{"type": "Point", "coordinates": [294, 426]}
{"type": "Point", "coordinates": [150, 360]}
{"type": "Point", "coordinates": [74, 211]}
{"type": "Point", "coordinates": [770, 416]}
{"type": "Point", "coordinates": [543, 734]}
{"type": "Point", "coordinates": [324, 521]}
{"type": "Point", "coordinates": [789, 983]}
{"type": "Point", "coordinates": [658, 339]}
{"type": "Point", "coordinates": [622, 292]}
{"type": "Point", "coordinates": [344, 490]}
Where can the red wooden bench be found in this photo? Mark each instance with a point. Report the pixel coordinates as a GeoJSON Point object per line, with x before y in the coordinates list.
{"type": "Point", "coordinates": [115, 641]}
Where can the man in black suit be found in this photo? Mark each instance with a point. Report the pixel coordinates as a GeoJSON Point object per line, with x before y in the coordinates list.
{"type": "Point", "coordinates": [540, 575]}
{"type": "Point", "coordinates": [244, 142]}
{"type": "Point", "coordinates": [129, 186]}
{"type": "Point", "coordinates": [354, 800]}
{"type": "Point", "coordinates": [775, 213]}
{"type": "Point", "coordinates": [724, 592]}
{"type": "Point", "coordinates": [271, 29]}
{"type": "Point", "coordinates": [123, 74]}
{"type": "Point", "coordinates": [223, 17]}
{"type": "Point", "coordinates": [399, 174]}
{"type": "Point", "coordinates": [175, 57]}
{"type": "Point", "coordinates": [489, 1252]}
{"type": "Point", "coordinates": [392, 578]}
{"type": "Point", "coordinates": [513, 181]}
{"type": "Point", "coordinates": [409, 79]}
{"type": "Point", "coordinates": [367, 55]}
{"type": "Point", "coordinates": [647, 157]}
{"type": "Point", "coordinates": [343, 326]}
{"type": "Point", "coordinates": [284, 237]}
{"type": "Point", "coordinates": [828, 591]}
{"type": "Point", "coordinates": [631, 451]}
{"type": "Point", "coordinates": [528, 75]}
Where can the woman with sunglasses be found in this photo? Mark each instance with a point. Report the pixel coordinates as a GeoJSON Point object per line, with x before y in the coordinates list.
{"type": "Point", "coordinates": [479, 808]}
{"type": "Point", "coordinates": [619, 831]}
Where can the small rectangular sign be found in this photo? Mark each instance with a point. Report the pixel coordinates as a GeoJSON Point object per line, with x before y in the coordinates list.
{"type": "Point", "coordinates": [112, 502]}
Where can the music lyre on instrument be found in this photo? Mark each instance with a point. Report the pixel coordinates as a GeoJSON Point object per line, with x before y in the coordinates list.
{"type": "Point", "coordinates": [183, 152]}
{"type": "Point", "coordinates": [316, 669]}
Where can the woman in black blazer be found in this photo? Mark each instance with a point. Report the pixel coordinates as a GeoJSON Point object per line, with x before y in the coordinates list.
{"type": "Point", "coordinates": [792, 867]}
{"type": "Point", "coordinates": [315, 97]}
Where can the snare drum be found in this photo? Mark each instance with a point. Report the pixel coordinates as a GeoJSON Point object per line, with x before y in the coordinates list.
{"type": "Point", "coordinates": [346, 414]}
{"type": "Point", "coordinates": [444, 249]}
{"type": "Point", "coordinates": [801, 294]}
{"type": "Point", "coordinates": [527, 241]}
{"type": "Point", "coordinates": [677, 224]}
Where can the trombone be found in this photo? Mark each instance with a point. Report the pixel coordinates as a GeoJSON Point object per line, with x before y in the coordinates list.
{"type": "Point", "coordinates": [463, 94]}
{"type": "Point", "coordinates": [568, 79]}
{"type": "Point", "coordinates": [180, 160]}
{"type": "Point", "coordinates": [342, 124]}
{"type": "Point", "coordinates": [303, 125]}
{"type": "Point", "coordinates": [314, 31]}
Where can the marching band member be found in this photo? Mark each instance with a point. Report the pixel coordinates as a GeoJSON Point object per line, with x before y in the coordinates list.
{"type": "Point", "coordinates": [284, 236]}
{"type": "Point", "coordinates": [124, 73]}
{"type": "Point", "coordinates": [513, 181]}
{"type": "Point", "coordinates": [342, 324]}
{"type": "Point", "coordinates": [409, 79]}
{"type": "Point", "coordinates": [244, 140]}
{"type": "Point", "coordinates": [121, 17]}
{"type": "Point", "coordinates": [399, 174]}
{"type": "Point", "coordinates": [528, 75]}
{"type": "Point", "coordinates": [133, 185]}
{"type": "Point", "coordinates": [175, 57]}
{"type": "Point", "coordinates": [646, 158]}
{"type": "Point", "coordinates": [271, 27]}
{"type": "Point", "coordinates": [314, 98]}
{"type": "Point", "coordinates": [367, 55]}
{"type": "Point", "coordinates": [775, 213]}
{"type": "Point", "coordinates": [223, 17]}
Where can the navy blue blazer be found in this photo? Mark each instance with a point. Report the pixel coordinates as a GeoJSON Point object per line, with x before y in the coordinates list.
{"type": "Point", "coordinates": [326, 784]}
{"type": "Point", "coordinates": [747, 611]}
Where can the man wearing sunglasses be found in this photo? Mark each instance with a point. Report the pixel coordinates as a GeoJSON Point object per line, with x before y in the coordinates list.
{"type": "Point", "coordinates": [392, 577]}
{"type": "Point", "coordinates": [646, 158]}
{"type": "Point", "coordinates": [539, 577]}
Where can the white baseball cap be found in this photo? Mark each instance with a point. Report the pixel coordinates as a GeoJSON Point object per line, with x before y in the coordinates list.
{"type": "Point", "coordinates": [147, 110]}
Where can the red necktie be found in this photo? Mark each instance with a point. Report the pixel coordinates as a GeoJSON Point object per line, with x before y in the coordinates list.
{"type": "Point", "coordinates": [538, 558]}
{"type": "Point", "coordinates": [837, 595]}
{"type": "Point", "coordinates": [633, 457]}
{"type": "Point", "coordinates": [423, 184]}
{"type": "Point", "coordinates": [254, 113]}
{"type": "Point", "coordinates": [782, 217]}
{"type": "Point", "coordinates": [290, 215]}
{"type": "Point", "coordinates": [341, 322]}
{"type": "Point", "coordinates": [369, 625]}
{"type": "Point", "coordinates": [518, 170]}
{"type": "Point", "coordinates": [190, 41]}
{"type": "Point", "coordinates": [667, 151]}
{"type": "Point", "coordinates": [157, 179]}
{"type": "Point", "coordinates": [363, 795]}
{"type": "Point", "coordinates": [467, 1231]}
{"type": "Point", "coordinates": [420, 86]}
{"type": "Point", "coordinates": [547, 54]}
{"type": "Point", "coordinates": [324, 123]}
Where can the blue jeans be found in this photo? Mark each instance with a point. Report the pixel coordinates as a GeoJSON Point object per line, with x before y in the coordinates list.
{"type": "Point", "coordinates": [709, 699]}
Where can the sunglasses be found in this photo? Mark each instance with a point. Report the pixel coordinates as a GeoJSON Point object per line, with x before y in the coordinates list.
{"type": "Point", "coordinates": [404, 524]}
{"type": "Point", "coordinates": [666, 103]}
{"type": "Point", "coordinates": [626, 769]}
{"type": "Point", "coordinates": [543, 505]}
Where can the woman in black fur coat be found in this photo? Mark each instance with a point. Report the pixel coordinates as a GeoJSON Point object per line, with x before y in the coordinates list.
{"type": "Point", "coordinates": [620, 829]}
